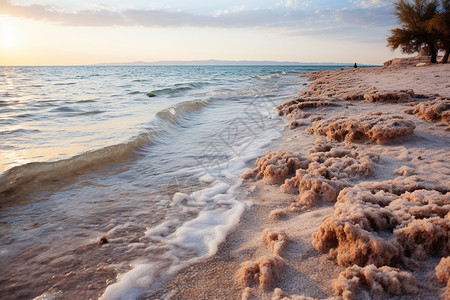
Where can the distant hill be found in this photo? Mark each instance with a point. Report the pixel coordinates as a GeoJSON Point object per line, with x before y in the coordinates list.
{"type": "Point", "coordinates": [214, 62]}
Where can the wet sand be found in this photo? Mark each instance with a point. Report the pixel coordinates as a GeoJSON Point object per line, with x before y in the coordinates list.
{"type": "Point", "coordinates": [352, 202]}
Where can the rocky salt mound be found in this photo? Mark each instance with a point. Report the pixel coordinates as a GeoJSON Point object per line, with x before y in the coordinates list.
{"type": "Point", "coordinates": [266, 269]}
{"type": "Point", "coordinates": [275, 240]}
{"type": "Point", "coordinates": [261, 272]}
{"type": "Point", "coordinates": [435, 111]}
{"type": "Point", "coordinates": [319, 177]}
{"type": "Point", "coordinates": [278, 294]}
{"type": "Point", "coordinates": [276, 166]}
{"type": "Point", "coordinates": [355, 281]}
{"type": "Point", "coordinates": [443, 275]}
{"type": "Point", "coordinates": [332, 168]}
{"type": "Point", "coordinates": [296, 108]}
{"type": "Point", "coordinates": [372, 225]}
{"type": "Point", "coordinates": [376, 127]}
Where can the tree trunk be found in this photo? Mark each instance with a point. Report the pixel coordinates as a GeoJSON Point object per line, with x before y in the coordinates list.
{"type": "Point", "coordinates": [445, 58]}
{"type": "Point", "coordinates": [433, 53]}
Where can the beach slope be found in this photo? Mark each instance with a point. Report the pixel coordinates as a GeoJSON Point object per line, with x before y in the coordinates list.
{"type": "Point", "coordinates": [352, 202]}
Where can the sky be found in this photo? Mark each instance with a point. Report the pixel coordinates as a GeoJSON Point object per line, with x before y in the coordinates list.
{"type": "Point", "coordinates": [81, 32]}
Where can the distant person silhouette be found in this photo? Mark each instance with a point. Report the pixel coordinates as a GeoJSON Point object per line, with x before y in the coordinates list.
{"type": "Point", "coordinates": [355, 66]}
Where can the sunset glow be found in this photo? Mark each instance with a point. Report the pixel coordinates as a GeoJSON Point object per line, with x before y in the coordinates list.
{"type": "Point", "coordinates": [9, 35]}
{"type": "Point", "coordinates": [80, 32]}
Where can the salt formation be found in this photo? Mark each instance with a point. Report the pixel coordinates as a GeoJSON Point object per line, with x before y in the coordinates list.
{"type": "Point", "coordinates": [294, 108]}
{"type": "Point", "coordinates": [246, 294]}
{"type": "Point", "coordinates": [275, 167]}
{"type": "Point", "coordinates": [266, 269]}
{"type": "Point", "coordinates": [436, 111]}
{"type": "Point", "coordinates": [331, 169]}
{"type": "Point", "coordinates": [355, 280]}
{"type": "Point", "coordinates": [443, 275]}
{"type": "Point", "coordinates": [389, 97]}
{"type": "Point", "coordinates": [346, 85]}
{"type": "Point", "coordinates": [274, 240]}
{"type": "Point", "coordinates": [318, 178]}
{"type": "Point", "coordinates": [369, 127]}
{"type": "Point", "coordinates": [405, 171]}
{"type": "Point", "coordinates": [278, 214]}
{"type": "Point", "coordinates": [278, 294]}
{"type": "Point", "coordinates": [385, 224]}
{"type": "Point", "coordinates": [263, 271]}
{"type": "Point", "coordinates": [295, 124]}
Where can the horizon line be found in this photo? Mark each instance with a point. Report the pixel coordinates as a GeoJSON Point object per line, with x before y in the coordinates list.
{"type": "Point", "coordinates": [206, 62]}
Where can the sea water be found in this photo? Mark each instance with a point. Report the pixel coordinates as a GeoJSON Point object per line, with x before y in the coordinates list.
{"type": "Point", "coordinates": [148, 157]}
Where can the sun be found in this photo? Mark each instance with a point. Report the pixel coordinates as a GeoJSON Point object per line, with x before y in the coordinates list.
{"type": "Point", "coordinates": [9, 35]}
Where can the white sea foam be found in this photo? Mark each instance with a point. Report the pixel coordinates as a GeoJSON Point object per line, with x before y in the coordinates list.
{"type": "Point", "coordinates": [220, 211]}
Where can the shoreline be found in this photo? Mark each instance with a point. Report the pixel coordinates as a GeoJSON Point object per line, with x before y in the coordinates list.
{"type": "Point", "coordinates": [383, 156]}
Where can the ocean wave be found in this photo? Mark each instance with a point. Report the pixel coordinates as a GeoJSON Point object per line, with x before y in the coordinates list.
{"type": "Point", "coordinates": [178, 89]}
{"type": "Point", "coordinates": [265, 77]}
{"type": "Point", "coordinates": [174, 113]}
{"type": "Point", "coordinates": [15, 131]}
{"type": "Point", "coordinates": [63, 109]}
{"type": "Point", "coordinates": [65, 83]}
{"type": "Point", "coordinates": [38, 172]}
{"type": "Point", "coordinates": [86, 101]}
{"type": "Point", "coordinates": [94, 112]}
{"type": "Point", "coordinates": [171, 91]}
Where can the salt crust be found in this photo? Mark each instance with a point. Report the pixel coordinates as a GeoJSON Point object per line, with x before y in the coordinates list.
{"type": "Point", "coordinates": [278, 294]}
{"type": "Point", "coordinates": [443, 271]}
{"type": "Point", "coordinates": [386, 224]}
{"type": "Point", "coordinates": [355, 280]}
{"type": "Point", "coordinates": [376, 127]}
{"type": "Point", "coordinates": [330, 170]}
{"type": "Point", "coordinates": [436, 111]}
{"type": "Point", "coordinates": [324, 88]}
{"type": "Point", "coordinates": [294, 108]}
{"type": "Point", "coordinates": [265, 270]}
{"type": "Point", "coordinates": [275, 167]}
{"type": "Point", "coordinates": [319, 177]}
{"type": "Point", "coordinates": [443, 275]}
{"type": "Point", "coordinates": [346, 85]}
{"type": "Point", "coordinates": [262, 271]}
{"type": "Point", "coordinates": [405, 171]}
{"type": "Point", "coordinates": [246, 293]}
{"type": "Point", "coordinates": [274, 240]}
{"type": "Point", "coordinates": [278, 214]}
{"type": "Point", "coordinates": [295, 124]}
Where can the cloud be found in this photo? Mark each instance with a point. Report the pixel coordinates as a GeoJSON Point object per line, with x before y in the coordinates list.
{"type": "Point", "coordinates": [288, 3]}
{"type": "Point", "coordinates": [372, 3]}
{"type": "Point", "coordinates": [374, 17]}
{"type": "Point", "coordinates": [237, 17]}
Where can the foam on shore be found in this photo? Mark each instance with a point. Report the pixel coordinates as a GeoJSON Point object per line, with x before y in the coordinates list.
{"type": "Point", "coordinates": [217, 211]}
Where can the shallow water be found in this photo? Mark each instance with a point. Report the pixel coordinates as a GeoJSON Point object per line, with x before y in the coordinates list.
{"type": "Point", "coordinates": [149, 157]}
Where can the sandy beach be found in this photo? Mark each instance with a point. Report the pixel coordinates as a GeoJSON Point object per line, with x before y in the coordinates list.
{"type": "Point", "coordinates": [352, 202]}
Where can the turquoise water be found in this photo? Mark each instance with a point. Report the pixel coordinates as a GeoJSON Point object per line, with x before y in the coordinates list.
{"type": "Point", "coordinates": [149, 157]}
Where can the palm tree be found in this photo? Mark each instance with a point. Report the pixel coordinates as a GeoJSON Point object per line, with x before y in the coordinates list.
{"type": "Point", "coordinates": [413, 35]}
{"type": "Point", "coordinates": [440, 26]}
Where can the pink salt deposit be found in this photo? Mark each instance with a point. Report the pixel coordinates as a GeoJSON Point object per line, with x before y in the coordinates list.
{"type": "Point", "coordinates": [355, 281]}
